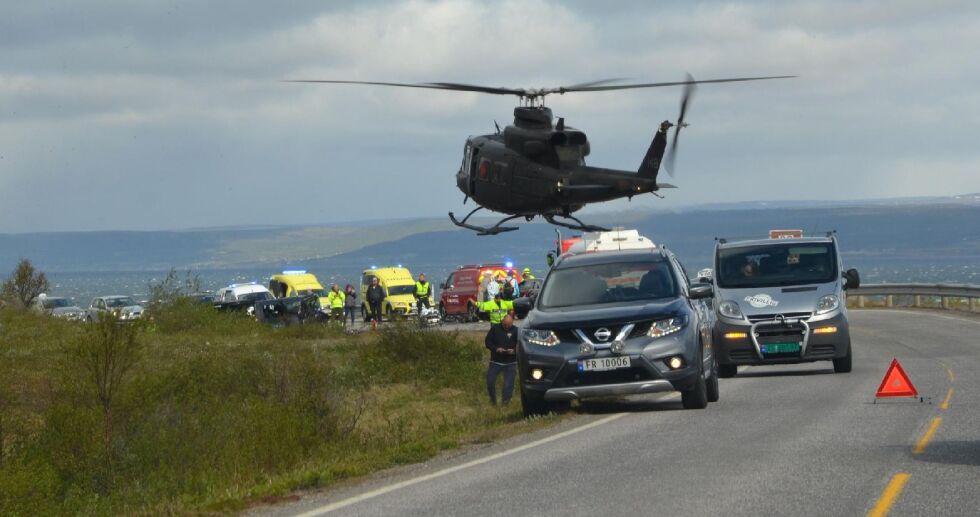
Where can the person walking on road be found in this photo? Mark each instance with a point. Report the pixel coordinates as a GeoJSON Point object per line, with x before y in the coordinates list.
{"type": "Point", "coordinates": [374, 296]}
{"type": "Point", "coordinates": [501, 340]}
{"type": "Point", "coordinates": [336, 300]}
{"type": "Point", "coordinates": [422, 291]}
{"type": "Point", "coordinates": [350, 303]}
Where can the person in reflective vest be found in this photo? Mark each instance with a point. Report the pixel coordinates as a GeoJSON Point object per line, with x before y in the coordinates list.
{"type": "Point", "coordinates": [527, 274]}
{"type": "Point", "coordinates": [336, 300]}
{"type": "Point", "coordinates": [497, 308]}
{"type": "Point", "coordinates": [422, 291]}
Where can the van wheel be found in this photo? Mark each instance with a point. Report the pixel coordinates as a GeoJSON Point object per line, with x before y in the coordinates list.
{"type": "Point", "coordinates": [727, 371]}
{"type": "Point", "coordinates": [442, 313]}
{"type": "Point", "coordinates": [713, 391]}
{"type": "Point", "coordinates": [843, 365]}
{"type": "Point", "coordinates": [471, 313]}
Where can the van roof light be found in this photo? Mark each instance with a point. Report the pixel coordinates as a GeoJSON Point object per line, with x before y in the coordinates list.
{"type": "Point", "coordinates": [294, 272]}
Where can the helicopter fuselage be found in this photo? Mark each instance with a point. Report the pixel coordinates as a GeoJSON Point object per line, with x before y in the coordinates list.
{"type": "Point", "coordinates": [497, 177]}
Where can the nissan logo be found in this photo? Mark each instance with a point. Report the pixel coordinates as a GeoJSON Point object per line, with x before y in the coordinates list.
{"type": "Point", "coordinates": [603, 334]}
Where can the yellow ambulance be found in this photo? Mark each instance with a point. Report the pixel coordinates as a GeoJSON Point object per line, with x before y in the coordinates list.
{"type": "Point", "coordinates": [298, 283]}
{"type": "Point", "coordinates": [399, 286]}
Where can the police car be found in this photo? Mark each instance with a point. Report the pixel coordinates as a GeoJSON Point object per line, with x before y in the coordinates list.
{"type": "Point", "coordinates": [780, 301]}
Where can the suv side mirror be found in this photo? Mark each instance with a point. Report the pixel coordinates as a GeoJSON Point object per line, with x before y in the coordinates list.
{"type": "Point", "coordinates": [551, 259]}
{"type": "Point", "coordinates": [852, 280]}
{"type": "Point", "coordinates": [701, 291]}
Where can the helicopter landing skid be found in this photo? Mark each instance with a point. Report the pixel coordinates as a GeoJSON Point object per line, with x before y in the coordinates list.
{"type": "Point", "coordinates": [580, 226]}
{"type": "Point", "coordinates": [483, 230]}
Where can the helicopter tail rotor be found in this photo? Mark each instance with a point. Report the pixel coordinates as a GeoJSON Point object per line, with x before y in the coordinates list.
{"type": "Point", "coordinates": [689, 87]}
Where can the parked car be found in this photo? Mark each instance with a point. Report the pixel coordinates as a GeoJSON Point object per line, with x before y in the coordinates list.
{"type": "Point", "coordinates": [293, 283]}
{"type": "Point", "coordinates": [292, 310]}
{"type": "Point", "coordinates": [59, 307]}
{"type": "Point", "coordinates": [124, 307]}
{"type": "Point", "coordinates": [617, 323]}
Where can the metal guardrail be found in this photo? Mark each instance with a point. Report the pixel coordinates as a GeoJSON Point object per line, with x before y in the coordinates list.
{"type": "Point", "coordinates": [945, 293]}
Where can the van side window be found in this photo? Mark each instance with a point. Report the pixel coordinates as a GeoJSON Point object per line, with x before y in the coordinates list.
{"type": "Point", "coordinates": [449, 281]}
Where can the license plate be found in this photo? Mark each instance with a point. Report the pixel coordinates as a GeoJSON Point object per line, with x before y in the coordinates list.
{"type": "Point", "coordinates": [780, 348]}
{"type": "Point", "coordinates": [603, 363]}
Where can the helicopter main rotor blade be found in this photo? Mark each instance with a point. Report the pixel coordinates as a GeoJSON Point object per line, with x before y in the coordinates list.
{"type": "Point", "coordinates": [429, 86]}
{"type": "Point", "coordinates": [689, 88]}
{"type": "Point", "coordinates": [532, 93]}
{"type": "Point", "coordinates": [607, 88]}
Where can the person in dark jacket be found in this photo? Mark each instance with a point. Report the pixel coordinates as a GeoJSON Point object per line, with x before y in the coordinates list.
{"type": "Point", "coordinates": [502, 343]}
{"type": "Point", "coordinates": [374, 296]}
{"type": "Point", "coordinates": [350, 303]}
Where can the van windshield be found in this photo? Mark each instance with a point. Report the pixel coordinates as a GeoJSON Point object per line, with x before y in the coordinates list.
{"type": "Point", "coordinates": [772, 265]}
{"type": "Point", "coordinates": [608, 283]}
{"type": "Point", "coordinates": [396, 290]}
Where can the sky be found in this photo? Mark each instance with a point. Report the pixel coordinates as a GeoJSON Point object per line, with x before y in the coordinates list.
{"type": "Point", "coordinates": [121, 115]}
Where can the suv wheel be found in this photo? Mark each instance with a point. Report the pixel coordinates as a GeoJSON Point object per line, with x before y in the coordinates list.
{"type": "Point", "coordinates": [727, 371]}
{"type": "Point", "coordinates": [843, 365]}
{"type": "Point", "coordinates": [533, 404]}
{"type": "Point", "coordinates": [713, 392]}
{"type": "Point", "coordinates": [696, 397]}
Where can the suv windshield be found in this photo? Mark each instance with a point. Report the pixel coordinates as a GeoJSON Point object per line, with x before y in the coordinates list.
{"type": "Point", "coordinates": [772, 265]}
{"type": "Point", "coordinates": [124, 301]}
{"type": "Point", "coordinates": [608, 283]}
{"type": "Point", "coordinates": [401, 289]}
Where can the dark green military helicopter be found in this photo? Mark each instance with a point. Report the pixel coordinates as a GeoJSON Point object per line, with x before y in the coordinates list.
{"type": "Point", "coordinates": [536, 167]}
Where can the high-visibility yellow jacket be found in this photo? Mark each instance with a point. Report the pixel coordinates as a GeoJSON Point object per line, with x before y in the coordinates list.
{"type": "Point", "coordinates": [336, 299]}
{"type": "Point", "coordinates": [497, 311]}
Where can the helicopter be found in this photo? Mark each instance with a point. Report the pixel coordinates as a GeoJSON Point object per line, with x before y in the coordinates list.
{"type": "Point", "coordinates": [536, 166]}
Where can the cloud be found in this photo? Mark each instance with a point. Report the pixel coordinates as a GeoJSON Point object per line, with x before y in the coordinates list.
{"type": "Point", "coordinates": [173, 114]}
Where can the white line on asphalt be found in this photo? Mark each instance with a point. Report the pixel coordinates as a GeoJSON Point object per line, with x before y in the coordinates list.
{"type": "Point", "coordinates": [414, 481]}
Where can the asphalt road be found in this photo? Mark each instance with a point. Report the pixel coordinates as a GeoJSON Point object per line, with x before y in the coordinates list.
{"type": "Point", "coordinates": [783, 440]}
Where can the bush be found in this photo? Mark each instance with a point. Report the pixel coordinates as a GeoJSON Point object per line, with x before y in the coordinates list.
{"type": "Point", "coordinates": [24, 285]}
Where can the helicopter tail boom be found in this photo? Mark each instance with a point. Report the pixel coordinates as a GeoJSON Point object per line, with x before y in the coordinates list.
{"type": "Point", "coordinates": [655, 153]}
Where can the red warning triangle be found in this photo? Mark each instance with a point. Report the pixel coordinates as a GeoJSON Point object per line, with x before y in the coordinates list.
{"type": "Point", "coordinates": [896, 383]}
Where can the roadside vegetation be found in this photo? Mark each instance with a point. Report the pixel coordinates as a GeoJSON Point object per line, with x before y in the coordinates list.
{"type": "Point", "coordinates": [196, 411]}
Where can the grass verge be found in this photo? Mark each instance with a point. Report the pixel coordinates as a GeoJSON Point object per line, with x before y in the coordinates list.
{"type": "Point", "coordinates": [214, 412]}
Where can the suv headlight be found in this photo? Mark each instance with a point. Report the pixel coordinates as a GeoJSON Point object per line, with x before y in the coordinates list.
{"type": "Point", "coordinates": [540, 337]}
{"type": "Point", "coordinates": [666, 327]}
{"type": "Point", "coordinates": [829, 303]}
{"type": "Point", "coordinates": [729, 309]}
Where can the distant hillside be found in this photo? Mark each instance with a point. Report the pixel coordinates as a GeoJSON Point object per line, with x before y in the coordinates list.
{"type": "Point", "coordinates": [866, 234]}
{"type": "Point", "coordinates": [943, 228]}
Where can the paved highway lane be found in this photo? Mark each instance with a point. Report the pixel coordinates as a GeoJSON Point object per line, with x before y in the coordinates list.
{"type": "Point", "coordinates": [784, 440]}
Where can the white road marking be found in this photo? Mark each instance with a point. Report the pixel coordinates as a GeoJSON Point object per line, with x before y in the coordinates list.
{"type": "Point", "coordinates": [444, 472]}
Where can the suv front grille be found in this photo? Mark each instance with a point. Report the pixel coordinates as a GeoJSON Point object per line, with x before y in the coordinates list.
{"type": "Point", "coordinates": [576, 378]}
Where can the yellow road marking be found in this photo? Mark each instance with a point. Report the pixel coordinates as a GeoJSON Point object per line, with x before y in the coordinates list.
{"type": "Point", "coordinates": [923, 442]}
{"type": "Point", "coordinates": [949, 373]}
{"type": "Point", "coordinates": [945, 404]}
{"type": "Point", "coordinates": [891, 493]}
